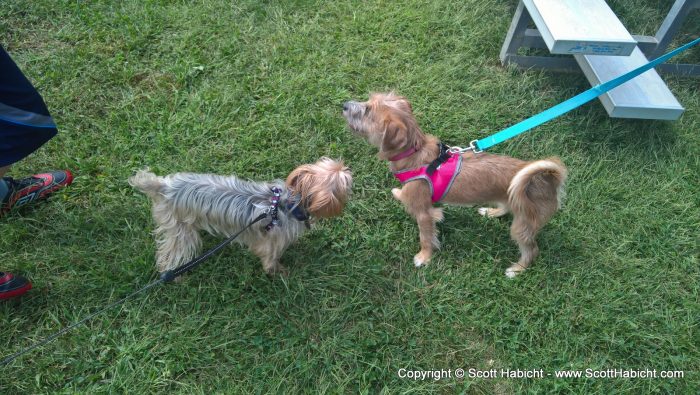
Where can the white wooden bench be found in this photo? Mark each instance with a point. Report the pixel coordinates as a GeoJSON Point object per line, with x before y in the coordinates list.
{"type": "Point", "coordinates": [601, 47]}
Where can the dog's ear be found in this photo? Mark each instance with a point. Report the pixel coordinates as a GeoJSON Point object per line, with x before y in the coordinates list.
{"type": "Point", "coordinates": [395, 135]}
{"type": "Point", "coordinates": [298, 178]}
{"type": "Point", "coordinates": [404, 104]}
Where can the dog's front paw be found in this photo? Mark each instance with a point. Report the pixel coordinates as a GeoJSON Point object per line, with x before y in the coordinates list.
{"type": "Point", "coordinates": [484, 211]}
{"type": "Point", "coordinates": [397, 193]}
{"type": "Point", "coordinates": [421, 259]}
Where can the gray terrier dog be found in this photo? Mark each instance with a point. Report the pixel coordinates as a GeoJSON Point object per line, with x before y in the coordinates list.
{"type": "Point", "coordinates": [185, 204]}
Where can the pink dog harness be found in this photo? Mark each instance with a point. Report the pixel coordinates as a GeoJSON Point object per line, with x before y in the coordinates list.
{"type": "Point", "coordinates": [439, 175]}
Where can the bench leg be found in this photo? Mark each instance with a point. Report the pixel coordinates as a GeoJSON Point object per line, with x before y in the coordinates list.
{"type": "Point", "coordinates": [516, 34]}
{"type": "Point", "coordinates": [674, 20]}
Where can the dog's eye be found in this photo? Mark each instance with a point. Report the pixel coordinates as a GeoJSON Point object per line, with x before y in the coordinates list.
{"type": "Point", "coordinates": [367, 109]}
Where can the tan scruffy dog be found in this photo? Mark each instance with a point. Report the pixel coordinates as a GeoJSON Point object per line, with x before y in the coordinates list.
{"type": "Point", "coordinates": [430, 174]}
{"type": "Point", "coordinates": [186, 203]}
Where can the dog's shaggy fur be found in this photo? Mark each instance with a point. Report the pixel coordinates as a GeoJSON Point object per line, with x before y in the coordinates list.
{"type": "Point", "coordinates": [530, 190]}
{"type": "Point", "coordinates": [185, 203]}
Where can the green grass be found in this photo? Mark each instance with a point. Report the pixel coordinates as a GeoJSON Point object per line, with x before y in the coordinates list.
{"type": "Point", "coordinates": [255, 88]}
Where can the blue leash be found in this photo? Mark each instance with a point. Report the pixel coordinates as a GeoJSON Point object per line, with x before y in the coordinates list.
{"type": "Point", "coordinates": [576, 101]}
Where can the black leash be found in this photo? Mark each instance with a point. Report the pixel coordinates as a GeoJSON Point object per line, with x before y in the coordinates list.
{"type": "Point", "coordinates": [19, 353]}
{"type": "Point", "coordinates": [170, 275]}
{"type": "Point", "coordinates": [165, 277]}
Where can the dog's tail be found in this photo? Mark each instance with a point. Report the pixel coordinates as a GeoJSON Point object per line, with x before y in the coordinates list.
{"type": "Point", "coordinates": [537, 190]}
{"type": "Point", "coordinates": [147, 182]}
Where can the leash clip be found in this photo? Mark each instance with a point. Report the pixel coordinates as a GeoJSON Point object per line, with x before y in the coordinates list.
{"type": "Point", "coordinates": [474, 147]}
{"type": "Point", "coordinates": [459, 150]}
{"type": "Point", "coordinates": [456, 150]}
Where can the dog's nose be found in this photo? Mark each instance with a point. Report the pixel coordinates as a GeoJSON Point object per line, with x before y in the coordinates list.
{"type": "Point", "coordinates": [346, 106]}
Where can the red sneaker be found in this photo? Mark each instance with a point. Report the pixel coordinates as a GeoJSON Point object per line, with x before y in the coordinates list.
{"type": "Point", "coordinates": [33, 188]}
{"type": "Point", "coordinates": [11, 285]}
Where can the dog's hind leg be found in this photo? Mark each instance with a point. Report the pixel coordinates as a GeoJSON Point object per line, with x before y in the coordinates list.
{"type": "Point", "coordinates": [524, 233]}
{"type": "Point", "coordinates": [176, 245]}
{"type": "Point", "coordinates": [178, 242]}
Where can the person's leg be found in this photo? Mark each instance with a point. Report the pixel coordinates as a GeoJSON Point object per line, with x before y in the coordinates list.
{"type": "Point", "coordinates": [4, 188]}
{"type": "Point", "coordinates": [25, 125]}
{"type": "Point", "coordinates": [10, 285]}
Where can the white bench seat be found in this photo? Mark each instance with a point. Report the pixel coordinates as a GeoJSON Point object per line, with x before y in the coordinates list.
{"type": "Point", "coordinates": [644, 97]}
{"type": "Point", "coordinates": [580, 27]}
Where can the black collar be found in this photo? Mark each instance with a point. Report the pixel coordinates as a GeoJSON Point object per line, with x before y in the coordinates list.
{"type": "Point", "coordinates": [294, 207]}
